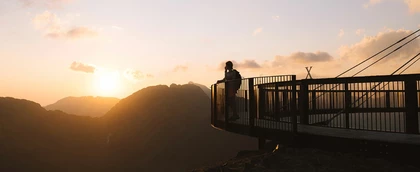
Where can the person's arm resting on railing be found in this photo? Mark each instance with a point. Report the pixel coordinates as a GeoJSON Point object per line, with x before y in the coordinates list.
{"type": "Point", "coordinates": [222, 80]}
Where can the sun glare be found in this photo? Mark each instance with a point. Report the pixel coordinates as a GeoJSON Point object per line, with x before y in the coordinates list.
{"type": "Point", "coordinates": [106, 83]}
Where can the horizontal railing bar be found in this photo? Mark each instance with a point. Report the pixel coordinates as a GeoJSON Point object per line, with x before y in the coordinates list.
{"type": "Point", "coordinates": [362, 79]}
{"type": "Point", "coordinates": [356, 110]}
{"type": "Point", "coordinates": [339, 91]}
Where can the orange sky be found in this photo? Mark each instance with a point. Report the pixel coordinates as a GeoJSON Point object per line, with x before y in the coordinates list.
{"type": "Point", "coordinates": [57, 48]}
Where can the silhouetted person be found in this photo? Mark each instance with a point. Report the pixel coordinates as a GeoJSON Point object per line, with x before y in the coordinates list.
{"type": "Point", "coordinates": [232, 80]}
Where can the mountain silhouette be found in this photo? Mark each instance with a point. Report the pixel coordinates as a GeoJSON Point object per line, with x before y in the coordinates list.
{"type": "Point", "coordinates": [84, 106]}
{"type": "Point", "coordinates": [32, 138]}
{"type": "Point", "coordinates": [158, 128]}
{"type": "Point", "coordinates": [206, 89]}
{"type": "Point", "coordinates": [171, 125]}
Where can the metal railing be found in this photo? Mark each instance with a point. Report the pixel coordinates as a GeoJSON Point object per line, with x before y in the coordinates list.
{"type": "Point", "coordinates": [247, 98]}
{"type": "Point", "coordinates": [373, 103]}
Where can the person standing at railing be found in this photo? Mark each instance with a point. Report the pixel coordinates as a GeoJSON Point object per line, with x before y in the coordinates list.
{"type": "Point", "coordinates": [232, 81]}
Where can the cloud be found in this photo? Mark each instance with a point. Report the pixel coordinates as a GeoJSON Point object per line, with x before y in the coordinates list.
{"type": "Point", "coordinates": [326, 66]}
{"type": "Point", "coordinates": [79, 32]}
{"type": "Point", "coordinates": [249, 64]}
{"type": "Point", "coordinates": [136, 75]}
{"type": "Point", "coordinates": [275, 17]}
{"type": "Point", "coordinates": [257, 31]}
{"type": "Point", "coordinates": [45, 3]}
{"type": "Point", "coordinates": [318, 56]}
{"type": "Point", "coordinates": [117, 28]}
{"type": "Point", "coordinates": [48, 21]}
{"type": "Point", "coordinates": [246, 64]}
{"type": "Point", "coordinates": [77, 66]}
{"type": "Point", "coordinates": [298, 58]}
{"type": "Point", "coordinates": [360, 31]}
{"type": "Point", "coordinates": [54, 27]}
{"type": "Point", "coordinates": [371, 3]}
{"type": "Point", "coordinates": [413, 5]}
{"type": "Point", "coordinates": [182, 68]}
{"type": "Point", "coordinates": [341, 33]}
{"type": "Point", "coordinates": [369, 46]}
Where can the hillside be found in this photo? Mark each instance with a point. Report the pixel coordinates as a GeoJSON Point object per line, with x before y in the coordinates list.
{"type": "Point", "coordinates": [206, 89]}
{"type": "Point", "coordinates": [170, 125]}
{"type": "Point", "coordinates": [34, 138]}
{"type": "Point", "coordinates": [84, 106]}
{"type": "Point", "coordinates": [153, 126]}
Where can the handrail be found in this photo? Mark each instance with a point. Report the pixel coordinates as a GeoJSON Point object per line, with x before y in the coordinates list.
{"type": "Point", "coordinates": [270, 102]}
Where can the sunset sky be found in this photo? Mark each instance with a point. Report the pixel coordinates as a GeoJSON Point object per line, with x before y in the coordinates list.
{"type": "Point", "coordinates": [52, 49]}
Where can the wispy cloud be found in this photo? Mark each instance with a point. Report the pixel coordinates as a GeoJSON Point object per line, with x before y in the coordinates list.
{"type": "Point", "coordinates": [246, 64]}
{"type": "Point", "coordinates": [257, 31]}
{"type": "Point", "coordinates": [135, 75]}
{"type": "Point", "coordinates": [250, 64]}
{"type": "Point", "coordinates": [325, 65]}
{"type": "Point", "coordinates": [371, 45]}
{"type": "Point", "coordinates": [301, 58]}
{"type": "Point", "coordinates": [341, 33]}
{"type": "Point", "coordinates": [275, 17]}
{"type": "Point", "coordinates": [360, 31]}
{"type": "Point", "coordinates": [371, 3]}
{"type": "Point", "coordinates": [79, 32]}
{"type": "Point", "coordinates": [78, 66]}
{"type": "Point", "coordinates": [182, 68]}
{"type": "Point", "coordinates": [293, 63]}
{"type": "Point", "coordinates": [413, 5]}
{"type": "Point", "coordinates": [318, 56]}
{"type": "Point", "coordinates": [54, 27]}
{"type": "Point", "coordinates": [45, 3]}
{"type": "Point", "coordinates": [117, 28]}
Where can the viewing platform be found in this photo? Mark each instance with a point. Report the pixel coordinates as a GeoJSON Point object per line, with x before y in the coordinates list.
{"type": "Point", "coordinates": [378, 114]}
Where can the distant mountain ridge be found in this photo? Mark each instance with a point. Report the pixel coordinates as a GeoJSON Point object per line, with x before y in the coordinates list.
{"type": "Point", "coordinates": [33, 138]}
{"type": "Point", "coordinates": [84, 106]}
{"type": "Point", "coordinates": [206, 89]}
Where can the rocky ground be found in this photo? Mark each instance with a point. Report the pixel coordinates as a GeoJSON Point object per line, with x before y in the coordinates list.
{"type": "Point", "coordinates": [304, 160]}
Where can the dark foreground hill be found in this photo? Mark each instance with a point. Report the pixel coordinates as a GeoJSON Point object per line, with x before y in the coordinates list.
{"type": "Point", "coordinates": [158, 128]}
{"type": "Point", "coordinates": [84, 106]}
{"type": "Point", "coordinates": [171, 125]}
{"type": "Point", "coordinates": [34, 139]}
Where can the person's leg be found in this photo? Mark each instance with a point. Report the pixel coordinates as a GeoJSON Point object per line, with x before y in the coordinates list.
{"type": "Point", "coordinates": [232, 102]}
{"type": "Point", "coordinates": [235, 112]}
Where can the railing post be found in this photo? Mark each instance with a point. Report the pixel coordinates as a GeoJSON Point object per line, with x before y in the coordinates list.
{"type": "Point", "coordinates": [226, 104]}
{"type": "Point", "coordinates": [293, 105]}
{"type": "Point", "coordinates": [313, 100]}
{"type": "Point", "coordinates": [388, 99]}
{"type": "Point", "coordinates": [252, 103]}
{"type": "Point", "coordinates": [411, 106]}
{"type": "Point", "coordinates": [276, 102]}
{"type": "Point", "coordinates": [213, 103]}
{"type": "Point", "coordinates": [304, 102]}
{"type": "Point", "coordinates": [286, 100]}
{"type": "Point", "coordinates": [246, 98]}
{"type": "Point", "coordinates": [273, 102]}
{"type": "Point", "coordinates": [347, 103]}
{"type": "Point", "coordinates": [261, 102]}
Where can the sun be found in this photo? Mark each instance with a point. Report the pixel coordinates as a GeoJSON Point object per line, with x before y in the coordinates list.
{"type": "Point", "coordinates": [106, 83]}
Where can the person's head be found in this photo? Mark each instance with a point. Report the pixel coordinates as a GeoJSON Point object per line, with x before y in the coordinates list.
{"type": "Point", "coordinates": [229, 65]}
